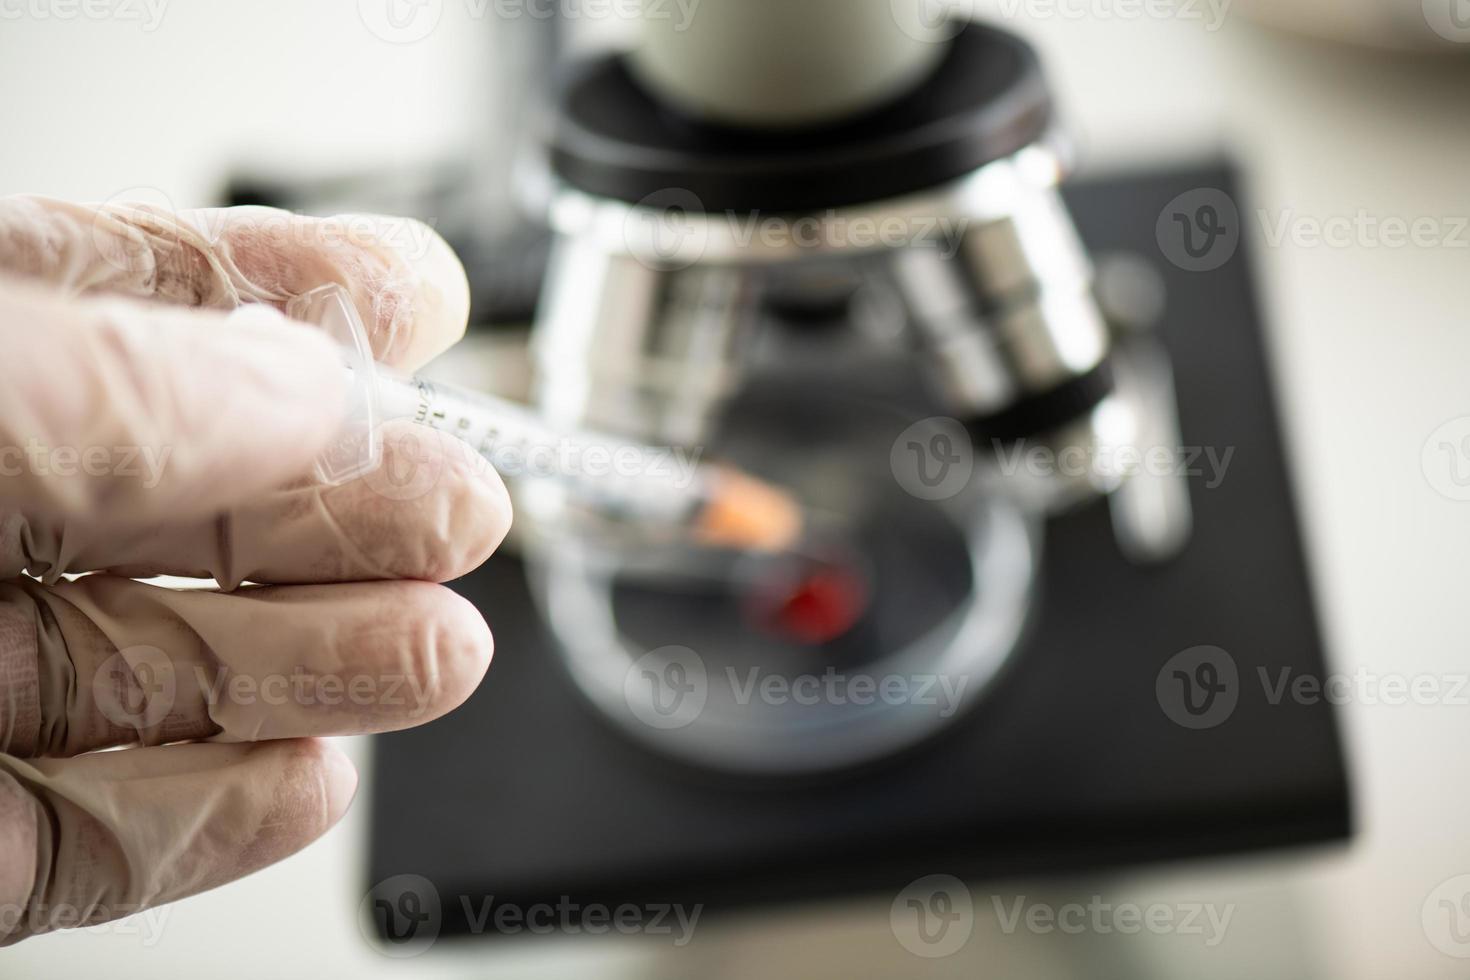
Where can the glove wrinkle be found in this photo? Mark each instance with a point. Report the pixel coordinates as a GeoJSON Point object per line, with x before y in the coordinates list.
{"type": "Point", "coordinates": [20, 549]}
{"type": "Point", "coordinates": [354, 559]}
{"type": "Point", "coordinates": [26, 832]}
{"type": "Point", "coordinates": [186, 268]}
{"type": "Point", "coordinates": [20, 680]}
{"type": "Point", "coordinates": [55, 683]}
{"type": "Point", "coordinates": [223, 566]}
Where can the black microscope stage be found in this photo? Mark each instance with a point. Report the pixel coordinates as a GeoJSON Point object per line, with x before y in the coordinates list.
{"type": "Point", "coordinates": [1071, 762]}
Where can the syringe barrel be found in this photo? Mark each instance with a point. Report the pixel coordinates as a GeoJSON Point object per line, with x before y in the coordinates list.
{"type": "Point", "coordinates": [612, 476]}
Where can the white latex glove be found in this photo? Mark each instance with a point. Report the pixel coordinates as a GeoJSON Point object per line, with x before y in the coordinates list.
{"type": "Point", "coordinates": [142, 434]}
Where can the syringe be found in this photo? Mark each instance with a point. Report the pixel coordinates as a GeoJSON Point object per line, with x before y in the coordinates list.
{"type": "Point", "coordinates": [614, 477]}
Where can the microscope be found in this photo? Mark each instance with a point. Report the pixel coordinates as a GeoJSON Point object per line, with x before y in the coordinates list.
{"type": "Point", "coordinates": [829, 242]}
{"type": "Point", "coordinates": [757, 209]}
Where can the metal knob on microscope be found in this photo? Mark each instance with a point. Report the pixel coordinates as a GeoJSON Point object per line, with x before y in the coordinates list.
{"type": "Point", "coordinates": [1013, 336]}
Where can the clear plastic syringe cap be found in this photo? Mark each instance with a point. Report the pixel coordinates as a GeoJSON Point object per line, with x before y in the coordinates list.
{"type": "Point", "coordinates": [358, 448]}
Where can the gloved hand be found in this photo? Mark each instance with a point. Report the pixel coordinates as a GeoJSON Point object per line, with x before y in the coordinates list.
{"type": "Point", "coordinates": [143, 434]}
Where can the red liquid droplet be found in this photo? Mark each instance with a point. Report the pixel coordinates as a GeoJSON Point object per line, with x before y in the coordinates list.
{"type": "Point", "coordinates": [817, 608]}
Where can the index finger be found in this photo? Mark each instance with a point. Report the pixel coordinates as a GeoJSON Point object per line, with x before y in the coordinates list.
{"type": "Point", "coordinates": [117, 413]}
{"type": "Point", "coordinates": [405, 280]}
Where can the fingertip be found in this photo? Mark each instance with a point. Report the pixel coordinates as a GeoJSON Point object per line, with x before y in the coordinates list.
{"type": "Point", "coordinates": [439, 648]}
{"type": "Point", "coordinates": [483, 513]}
{"type": "Point", "coordinates": [464, 648]}
{"type": "Point", "coordinates": [317, 759]}
{"type": "Point", "coordinates": [444, 292]}
{"type": "Point", "coordinates": [339, 780]}
{"type": "Point", "coordinates": [434, 510]}
{"type": "Point", "coordinates": [313, 772]}
{"type": "Point", "coordinates": [421, 307]}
